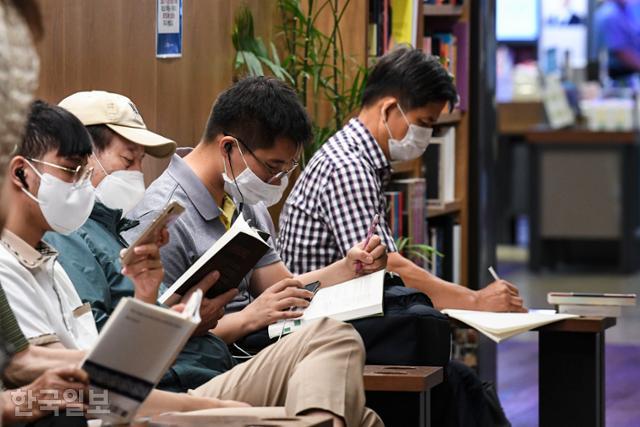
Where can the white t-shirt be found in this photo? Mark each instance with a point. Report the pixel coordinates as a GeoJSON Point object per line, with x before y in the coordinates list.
{"type": "Point", "coordinates": [42, 297]}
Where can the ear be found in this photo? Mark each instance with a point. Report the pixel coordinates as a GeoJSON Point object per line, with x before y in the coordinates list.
{"type": "Point", "coordinates": [226, 144]}
{"type": "Point", "coordinates": [20, 173]}
{"type": "Point", "coordinates": [386, 105]}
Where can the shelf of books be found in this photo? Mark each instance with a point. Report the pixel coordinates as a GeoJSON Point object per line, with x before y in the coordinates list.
{"type": "Point", "coordinates": [442, 9]}
{"type": "Point", "coordinates": [434, 187]}
{"type": "Point", "coordinates": [428, 198]}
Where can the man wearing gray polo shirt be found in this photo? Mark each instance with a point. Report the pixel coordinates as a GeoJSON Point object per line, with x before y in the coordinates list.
{"type": "Point", "coordinates": [252, 142]}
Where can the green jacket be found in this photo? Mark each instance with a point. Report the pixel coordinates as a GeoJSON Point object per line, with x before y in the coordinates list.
{"type": "Point", "coordinates": [90, 257]}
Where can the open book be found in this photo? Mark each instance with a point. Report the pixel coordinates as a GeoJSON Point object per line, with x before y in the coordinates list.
{"type": "Point", "coordinates": [500, 326]}
{"type": "Point", "coordinates": [135, 348]}
{"type": "Point", "coordinates": [355, 299]}
{"type": "Point", "coordinates": [233, 255]}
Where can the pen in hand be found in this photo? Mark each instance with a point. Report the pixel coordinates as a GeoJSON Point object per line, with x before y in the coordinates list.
{"type": "Point", "coordinates": [494, 274]}
{"type": "Point", "coordinates": [372, 229]}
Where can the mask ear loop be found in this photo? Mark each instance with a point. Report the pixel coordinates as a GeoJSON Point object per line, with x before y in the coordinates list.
{"type": "Point", "coordinates": [27, 192]}
{"type": "Point", "coordinates": [100, 164]}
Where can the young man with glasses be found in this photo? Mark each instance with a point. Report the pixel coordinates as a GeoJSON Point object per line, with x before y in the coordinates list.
{"type": "Point", "coordinates": [252, 142]}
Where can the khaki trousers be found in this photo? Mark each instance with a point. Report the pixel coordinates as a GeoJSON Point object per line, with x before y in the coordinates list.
{"type": "Point", "coordinates": [318, 367]}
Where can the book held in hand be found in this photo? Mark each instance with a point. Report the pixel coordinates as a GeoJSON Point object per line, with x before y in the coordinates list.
{"type": "Point", "coordinates": [137, 345]}
{"type": "Point", "coordinates": [233, 255]}
{"type": "Point", "coordinates": [355, 299]}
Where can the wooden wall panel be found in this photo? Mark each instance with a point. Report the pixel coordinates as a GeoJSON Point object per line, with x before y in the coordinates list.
{"type": "Point", "coordinates": [110, 45]}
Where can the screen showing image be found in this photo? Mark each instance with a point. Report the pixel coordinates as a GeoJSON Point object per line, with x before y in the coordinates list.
{"type": "Point", "coordinates": [564, 28]}
{"type": "Point", "coordinates": [517, 20]}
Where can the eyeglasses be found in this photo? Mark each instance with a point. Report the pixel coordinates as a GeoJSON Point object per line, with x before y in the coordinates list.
{"type": "Point", "coordinates": [275, 174]}
{"type": "Point", "coordinates": [81, 173]}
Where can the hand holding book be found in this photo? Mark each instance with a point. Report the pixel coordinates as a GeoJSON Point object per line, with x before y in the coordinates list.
{"type": "Point", "coordinates": [211, 309]}
{"type": "Point", "coordinates": [275, 303]}
{"type": "Point", "coordinates": [143, 266]}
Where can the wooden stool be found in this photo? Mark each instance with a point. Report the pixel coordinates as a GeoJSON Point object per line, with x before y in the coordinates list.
{"type": "Point", "coordinates": [416, 379]}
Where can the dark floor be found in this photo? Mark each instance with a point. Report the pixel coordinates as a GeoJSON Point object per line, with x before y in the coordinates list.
{"type": "Point", "coordinates": [518, 357]}
{"type": "Point", "coordinates": [518, 383]}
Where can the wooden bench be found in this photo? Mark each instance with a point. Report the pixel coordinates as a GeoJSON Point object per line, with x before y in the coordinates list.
{"type": "Point", "coordinates": [415, 379]}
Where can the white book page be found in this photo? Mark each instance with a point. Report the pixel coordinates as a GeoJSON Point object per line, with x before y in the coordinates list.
{"type": "Point", "coordinates": [141, 339]}
{"type": "Point", "coordinates": [504, 325]}
{"type": "Point", "coordinates": [341, 300]}
{"type": "Point", "coordinates": [354, 299]}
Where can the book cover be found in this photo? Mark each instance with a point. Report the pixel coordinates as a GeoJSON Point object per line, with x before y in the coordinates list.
{"type": "Point", "coordinates": [134, 350]}
{"type": "Point", "coordinates": [233, 256]}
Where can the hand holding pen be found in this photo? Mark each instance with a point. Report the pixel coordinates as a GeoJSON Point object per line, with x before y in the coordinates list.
{"type": "Point", "coordinates": [371, 251]}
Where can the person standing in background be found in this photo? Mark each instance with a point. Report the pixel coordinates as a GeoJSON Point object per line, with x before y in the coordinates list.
{"type": "Point", "coordinates": [617, 26]}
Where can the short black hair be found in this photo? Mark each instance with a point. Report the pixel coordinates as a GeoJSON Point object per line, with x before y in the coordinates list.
{"type": "Point", "coordinates": [412, 76]}
{"type": "Point", "coordinates": [101, 137]}
{"type": "Point", "coordinates": [50, 127]}
{"type": "Point", "coordinates": [258, 110]}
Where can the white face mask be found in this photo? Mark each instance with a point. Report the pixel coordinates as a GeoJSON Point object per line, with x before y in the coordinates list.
{"type": "Point", "coordinates": [414, 143]}
{"type": "Point", "coordinates": [64, 205]}
{"type": "Point", "coordinates": [120, 189]}
{"type": "Point", "coordinates": [250, 189]}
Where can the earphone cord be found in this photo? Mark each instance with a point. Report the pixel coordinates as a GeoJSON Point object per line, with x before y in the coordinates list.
{"type": "Point", "coordinates": [235, 182]}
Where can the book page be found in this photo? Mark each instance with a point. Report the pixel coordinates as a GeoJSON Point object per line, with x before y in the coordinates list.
{"type": "Point", "coordinates": [339, 301]}
{"type": "Point", "coordinates": [141, 339]}
{"type": "Point", "coordinates": [354, 299]}
{"type": "Point", "coordinates": [498, 326]}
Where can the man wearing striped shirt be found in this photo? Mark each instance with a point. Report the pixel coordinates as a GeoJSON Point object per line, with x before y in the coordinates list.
{"type": "Point", "coordinates": [342, 188]}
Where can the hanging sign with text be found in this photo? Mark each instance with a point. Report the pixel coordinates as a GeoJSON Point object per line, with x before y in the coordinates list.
{"type": "Point", "coordinates": [169, 29]}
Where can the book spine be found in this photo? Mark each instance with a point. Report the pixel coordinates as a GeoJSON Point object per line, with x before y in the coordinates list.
{"type": "Point", "coordinates": [461, 32]}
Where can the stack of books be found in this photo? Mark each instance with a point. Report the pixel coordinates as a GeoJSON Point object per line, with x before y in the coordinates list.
{"type": "Point", "coordinates": [591, 304]}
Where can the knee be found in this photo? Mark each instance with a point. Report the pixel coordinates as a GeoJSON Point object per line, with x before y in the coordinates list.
{"type": "Point", "coordinates": [340, 332]}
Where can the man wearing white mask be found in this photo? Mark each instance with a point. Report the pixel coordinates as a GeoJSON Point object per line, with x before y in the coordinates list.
{"type": "Point", "coordinates": [90, 255]}
{"type": "Point", "coordinates": [342, 188]}
{"type": "Point", "coordinates": [252, 142]}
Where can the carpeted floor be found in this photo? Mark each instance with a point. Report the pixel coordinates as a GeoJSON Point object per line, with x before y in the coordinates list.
{"type": "Point", "coordinates": [518, 357]}
{"type": "Point", "coordinates": [518, 383]}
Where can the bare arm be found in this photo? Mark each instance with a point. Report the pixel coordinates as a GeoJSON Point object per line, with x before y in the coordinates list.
{"type": "Point", "coordinates": [498, 296]}
{"type": "Point", "coordinates": [29, 364]}
{"type": "Point", "coordinates": [277, 291]}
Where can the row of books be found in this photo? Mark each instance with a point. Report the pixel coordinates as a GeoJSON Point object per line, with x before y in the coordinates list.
{"type": "Point", "coordinates": [445, 238]}
{"type": "Point", "coordinates": [391, 23]}
{"type": "Point", "coordinates": [442, 2]}
{"type": "Point", "coordinates": [445, 47]}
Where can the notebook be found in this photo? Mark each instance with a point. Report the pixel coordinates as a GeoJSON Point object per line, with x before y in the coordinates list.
{"type": "Point", "coordinates": [500, 326]}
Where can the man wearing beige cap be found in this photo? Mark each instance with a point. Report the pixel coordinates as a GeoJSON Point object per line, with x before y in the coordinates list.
{"type": "Point", "coordinates": [316, 370]}
{"type": "Point", "coordinates": [90, 256]}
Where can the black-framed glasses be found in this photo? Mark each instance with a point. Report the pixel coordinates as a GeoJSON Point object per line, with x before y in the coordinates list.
{"type": "Point", "coordinates": [81, 173]}
{"type": "Point", "coordinates": [275, 174]}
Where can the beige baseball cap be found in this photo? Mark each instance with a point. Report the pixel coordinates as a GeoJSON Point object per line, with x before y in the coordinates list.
{"type": "Point", "coordinates": [120, 115]}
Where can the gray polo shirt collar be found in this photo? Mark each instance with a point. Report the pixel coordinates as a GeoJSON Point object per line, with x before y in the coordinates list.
{"type": "Point", "coordinates": [192, 186]}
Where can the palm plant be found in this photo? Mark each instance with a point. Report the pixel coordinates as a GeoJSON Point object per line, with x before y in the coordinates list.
{"type": "Point", "coordinates": [312, 60]}
{"type": "Point", "coordinates": [417, 251]}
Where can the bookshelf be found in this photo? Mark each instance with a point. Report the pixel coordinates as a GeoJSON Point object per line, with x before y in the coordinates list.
{"type": "Point", "coordinates": [433, 20]}
{"type": "Point", "coordinates": [444, 10]}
